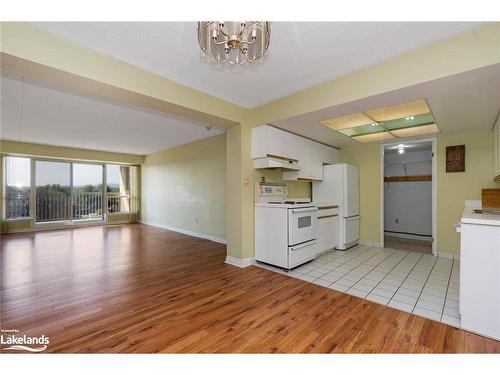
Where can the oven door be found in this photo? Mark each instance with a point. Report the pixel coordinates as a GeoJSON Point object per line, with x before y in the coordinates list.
{"type": "Point", "coordinates": [302, 225]}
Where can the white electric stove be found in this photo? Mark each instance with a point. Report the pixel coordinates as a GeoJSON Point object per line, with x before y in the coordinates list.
{"type": "Point", "coordinates": [285, 229]}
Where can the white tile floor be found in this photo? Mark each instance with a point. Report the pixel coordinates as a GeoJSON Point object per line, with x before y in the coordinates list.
{"type": "Point", "coordinates": [418, 283]}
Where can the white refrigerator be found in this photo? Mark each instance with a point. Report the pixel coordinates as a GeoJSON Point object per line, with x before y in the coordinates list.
{"type": "Point", "coordinates": [340, 187]}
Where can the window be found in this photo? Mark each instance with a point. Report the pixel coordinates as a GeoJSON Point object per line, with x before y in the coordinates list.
{"type": "Point", "coordinates": [59, 190]}
{"type": "Point", "coordinates": [17, 187]}
{"type": "Point", "coordinates": [53, 191]}
{"type": "Point", "coordinates": [121, 188]}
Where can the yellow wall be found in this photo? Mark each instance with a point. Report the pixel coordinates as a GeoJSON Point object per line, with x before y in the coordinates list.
{"type": "Point", "coordinates": [367, 158]}
{"type": "Point", "coordinates": [452, 188]}
{"type": "Point", "coordinates": [186, 183]}
{"type": "Point", "coordinates": [296, 189]}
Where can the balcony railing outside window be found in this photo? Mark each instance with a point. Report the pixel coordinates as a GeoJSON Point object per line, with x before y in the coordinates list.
{"type": "Point", "coordinates": [67, 191]}
{"type": "Point", "coordinates": [17, 207]}
{"type": "Point", "coordinates": [60, 206]}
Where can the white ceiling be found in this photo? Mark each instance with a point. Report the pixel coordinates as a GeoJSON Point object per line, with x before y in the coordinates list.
{"type": "Point", "coordinates": [301, 54]}
{"type": "Point", "coordinates": [462, 102]}
{"type": "Point", "coordinates": [35, 112]}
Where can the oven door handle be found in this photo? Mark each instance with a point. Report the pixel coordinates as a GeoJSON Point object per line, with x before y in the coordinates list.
{"type": "Point", "coordinates": [307, 209]}
{"type": "Point", "coordinates": [300, 246]}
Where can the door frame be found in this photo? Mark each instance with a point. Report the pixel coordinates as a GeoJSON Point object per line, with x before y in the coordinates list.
{"type": "Point", "coordinates": [390, 143]}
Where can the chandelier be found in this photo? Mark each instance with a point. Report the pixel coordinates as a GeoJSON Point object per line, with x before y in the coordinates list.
{"type": "Point", "coordinates": [234, 42]}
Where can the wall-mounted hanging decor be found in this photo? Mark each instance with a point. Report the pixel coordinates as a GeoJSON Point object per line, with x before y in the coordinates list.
{"type": "Point", "coordinates": [455, 158]}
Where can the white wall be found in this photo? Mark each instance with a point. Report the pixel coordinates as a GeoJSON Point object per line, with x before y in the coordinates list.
{"type": "Point", "coordinates": [408, 202]}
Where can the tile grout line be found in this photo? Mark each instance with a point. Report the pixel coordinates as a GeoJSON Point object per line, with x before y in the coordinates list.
{"type": "Point", "coordinates": [340, 255]}
{"type": "Point", "coordinates": [362, 264]}
{"type": "Point", "coordinates": [423, 286]}
{"type": "Point", "coordinates": [447, 286]}
{"type": "Point", "coordinates": [340, 265]}
{"type": "Point", "coordinates": [395, 250]}
{"type": "Point", "coordinates": [388, 273]}
{"type": "Point", "coordinates": [402, 282]}
{"type": "Point", "coordinates": [379, 263]}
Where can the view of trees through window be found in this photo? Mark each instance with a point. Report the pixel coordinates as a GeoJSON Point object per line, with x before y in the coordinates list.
{"type": "Point", "coordinates": [65, 190]}
{"type": "Point", "coordinates": [17, 187]}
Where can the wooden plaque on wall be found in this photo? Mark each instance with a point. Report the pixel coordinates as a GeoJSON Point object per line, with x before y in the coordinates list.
{"type": "Point", "coordinates": [455, 158]}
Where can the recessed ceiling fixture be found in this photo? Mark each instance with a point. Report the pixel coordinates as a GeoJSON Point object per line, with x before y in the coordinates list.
{"type": "Point", "coordinates": [401, 120]}
{"type": "Point", "coordinates": [235, 43]}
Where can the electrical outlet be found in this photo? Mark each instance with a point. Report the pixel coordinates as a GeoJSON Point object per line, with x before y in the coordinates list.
{"type": "Point", "coordinates": [197, 220]}
{"type": "Point", "coordinates": [396, 221]}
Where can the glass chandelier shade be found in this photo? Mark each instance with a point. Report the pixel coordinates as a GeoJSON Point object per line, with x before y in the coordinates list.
{"type": "Point", "coordinates": [235, 43]}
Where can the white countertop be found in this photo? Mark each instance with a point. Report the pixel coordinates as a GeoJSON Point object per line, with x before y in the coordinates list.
{"type": "Point", "coordinates": [469, 217]}
{"type": "Point", "coordinates": [285, 205]}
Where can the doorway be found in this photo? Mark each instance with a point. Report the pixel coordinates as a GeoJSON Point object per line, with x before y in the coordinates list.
{"type": "Point", "coordinates": [408, 204]}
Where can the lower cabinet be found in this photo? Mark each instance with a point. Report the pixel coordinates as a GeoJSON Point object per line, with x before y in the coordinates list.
{"type": "Point", "coordinates": [328, 233]}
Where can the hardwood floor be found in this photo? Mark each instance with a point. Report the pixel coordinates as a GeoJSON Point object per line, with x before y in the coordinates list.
{"type": "Point", "coordinates": [139, 289]}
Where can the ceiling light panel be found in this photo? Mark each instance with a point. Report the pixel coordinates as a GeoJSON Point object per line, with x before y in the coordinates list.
{"type": "Point", "coordinates": [409, 121]}
{"type": "Point", "coordinates": [361, 130]}
{"type": "Point", "coordinates": [373, 137]}
{"type": "Point", "coordinates": [397, 111]}
{"type": "Point", "coordinates": [349, 121]}
{"type": "Point", "coordinates": [415, 131]}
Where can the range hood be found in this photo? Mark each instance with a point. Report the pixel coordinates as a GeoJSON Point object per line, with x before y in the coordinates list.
{"type": "Point", "coordinates": [274, 162]}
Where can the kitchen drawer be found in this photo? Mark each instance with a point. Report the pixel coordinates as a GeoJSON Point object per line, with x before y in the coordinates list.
{"type": "Point", "coordinates": [302, 253]}
{"type": "Point", "coordinates": [327, 211]}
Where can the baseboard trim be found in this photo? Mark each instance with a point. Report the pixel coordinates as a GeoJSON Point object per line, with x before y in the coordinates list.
{"type": "Point", "coordinates": [242, 263]}
{"type": "Point", "coordinates": [187, 232]}
{"type": "Point", "coordinates": [370, 243]}
{"type": "Point", "coordinates": [448, 254]}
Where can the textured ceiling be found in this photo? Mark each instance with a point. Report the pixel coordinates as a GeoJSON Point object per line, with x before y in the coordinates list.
{"type": "Point", "coordinates": [462, 102]}
{"type": "Point", "coordinates": [34, 112]}
{"type": "Point", "coordinates": [301, 54]}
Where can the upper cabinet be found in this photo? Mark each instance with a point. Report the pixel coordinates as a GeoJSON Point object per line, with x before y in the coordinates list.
{"type": "Point", "coordinates": [270, 142]}
{"type": "Point", "coordinates": [496, 150]}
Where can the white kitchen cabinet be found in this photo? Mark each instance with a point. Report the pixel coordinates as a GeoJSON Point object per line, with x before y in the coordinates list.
{"type": "Point", "coordinates": [331, 155]}
{"type": "Point", "coordinates": [271, 141]}
{"type": "Point", "coordinates": [268, 141]}
{"type": "Point", "coordinates": [312, 156]}
{"type": "Point", "coordinates": [328, 237]}
{"type": "Point", "coordinates": [311, 165]}
{"type": "Point", "coordinates": [480, 274]}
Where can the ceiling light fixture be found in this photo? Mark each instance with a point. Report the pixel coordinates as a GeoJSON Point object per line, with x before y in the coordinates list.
{"type": "Point", "coordinates": [234, 43]}
{"type": "Point", "coordinates": [401, 149]}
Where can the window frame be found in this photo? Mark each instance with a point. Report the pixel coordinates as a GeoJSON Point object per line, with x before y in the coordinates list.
{"type": "Point", "coordinates": [32, 195]}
